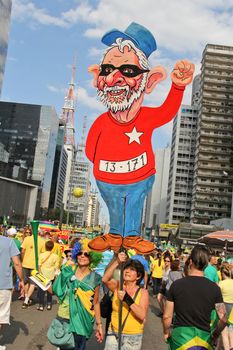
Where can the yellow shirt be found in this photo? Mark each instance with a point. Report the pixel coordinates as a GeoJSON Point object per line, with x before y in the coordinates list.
{"type": "Point", "coordinates": [57, 250]}
{"type": "Point", "coordinates": [49, 266]}
{"type": "Point", "coordinates": [227, 290]}
{"type": "Point", "coordinates": [29, 254]}
{"type": "Point", "coordinates": [157, 271]}
{"type": "Point", "coordinates": [132, 324]}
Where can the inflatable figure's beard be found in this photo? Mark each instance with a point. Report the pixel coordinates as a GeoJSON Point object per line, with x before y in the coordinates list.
{"type": "Point", "coordinates": [116, 99]}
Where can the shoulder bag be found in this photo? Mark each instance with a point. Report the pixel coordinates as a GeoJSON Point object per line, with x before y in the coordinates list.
{"type": "Point", "coordinates": [58, 334]}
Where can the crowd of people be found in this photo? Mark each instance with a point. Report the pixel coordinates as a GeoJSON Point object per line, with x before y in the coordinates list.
{"type": "Point", "coordinates": [194, 291]}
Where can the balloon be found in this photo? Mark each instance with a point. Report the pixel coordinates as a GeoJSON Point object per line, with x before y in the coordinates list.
{"type": "Point", "coordinates": [78, 192]}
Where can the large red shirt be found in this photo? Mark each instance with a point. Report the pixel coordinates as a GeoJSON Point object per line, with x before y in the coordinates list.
{"type": "Point", "coordinates": [122, 152]}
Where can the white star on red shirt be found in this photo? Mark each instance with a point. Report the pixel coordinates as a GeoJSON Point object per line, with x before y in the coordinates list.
{"type": "Point", "coordinates": [134, 135]}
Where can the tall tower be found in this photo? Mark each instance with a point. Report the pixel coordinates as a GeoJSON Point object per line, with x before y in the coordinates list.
{"type": "Point", "coordinates": [81, 146]}
{"type": "Point", "coordinates": [68, 112]}
{"type": "Point", "coordinates": [67, 117]}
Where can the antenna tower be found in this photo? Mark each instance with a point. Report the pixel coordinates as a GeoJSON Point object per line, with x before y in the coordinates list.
{"type": "Point", "coordinates": [82, 144]}
{"type": "Point", "coordinates": [68, 110]}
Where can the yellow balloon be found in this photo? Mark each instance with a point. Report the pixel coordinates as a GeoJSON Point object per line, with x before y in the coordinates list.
{"type": "Point", "coordinates": [78, 192]}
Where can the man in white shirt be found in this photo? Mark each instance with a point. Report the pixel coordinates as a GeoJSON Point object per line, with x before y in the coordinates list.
{"type": "Point", "coordinates": [8, 252]}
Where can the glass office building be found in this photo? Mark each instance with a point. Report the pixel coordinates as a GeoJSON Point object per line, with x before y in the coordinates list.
{"type": "Point", "coordinates": [28, 135]}
{"type": "Point", "coordinates": [59, 171]}
{"type": "Point", "coordinates": [5, 13]}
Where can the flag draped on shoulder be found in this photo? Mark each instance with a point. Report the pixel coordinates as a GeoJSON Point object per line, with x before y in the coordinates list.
{"type": "Point", "coordinates": [191, 338]}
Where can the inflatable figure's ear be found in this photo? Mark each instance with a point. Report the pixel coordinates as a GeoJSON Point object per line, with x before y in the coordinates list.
{"type": "Point", "coordinates": [94, 69]}
{"type": "Point", "coordinates": [155, 75]}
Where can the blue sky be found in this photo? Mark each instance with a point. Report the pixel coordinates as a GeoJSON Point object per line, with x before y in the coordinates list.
{"type": "Point", "coordinates": [46, 35]}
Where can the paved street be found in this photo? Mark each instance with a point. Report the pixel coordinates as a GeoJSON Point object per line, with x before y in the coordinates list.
{"type": "Point", "coordinates": [29, 327]}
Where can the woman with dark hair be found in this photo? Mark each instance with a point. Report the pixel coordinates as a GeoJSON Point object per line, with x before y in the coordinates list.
{"type": "Point", "coordinates": [174, 274]}
{"type": "Point", "coordinates": [162, 292]}
{"type": "Point", "coordinates": [77, 288]}
{"type": "Point", "coordinates": [67, 260]}
{"type": "Point", "coordinates": [135, 301]}
{"type": "Point", "coordinates": [157, 267]}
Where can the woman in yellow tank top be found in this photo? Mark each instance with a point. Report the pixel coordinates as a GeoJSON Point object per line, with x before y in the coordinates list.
{"type": "Point", "coordinates": [134, 308]}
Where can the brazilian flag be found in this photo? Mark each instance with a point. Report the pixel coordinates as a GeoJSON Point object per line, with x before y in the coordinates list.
{"type": "Point", "coordinates": [192, 338]}
{"type": "Point", "coordinates": [213, 320]}
{"type": "Point", "coordinates": [230, 318]}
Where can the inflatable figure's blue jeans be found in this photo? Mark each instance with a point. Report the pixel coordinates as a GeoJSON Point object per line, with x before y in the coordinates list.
{"type": "Point", "coordinates": [125, 205]}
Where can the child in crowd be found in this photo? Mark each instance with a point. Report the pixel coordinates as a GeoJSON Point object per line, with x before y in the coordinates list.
{"type": "Point", "coordinates": [48, 265]}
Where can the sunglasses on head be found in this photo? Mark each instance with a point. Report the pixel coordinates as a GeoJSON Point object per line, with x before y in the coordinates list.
{"type": "Point", "coordinates": [128, 70]}
{"type": "Point", "coordinates": [86, 254]}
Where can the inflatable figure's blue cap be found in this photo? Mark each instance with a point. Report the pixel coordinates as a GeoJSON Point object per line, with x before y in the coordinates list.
{"type": "Point", "coordinates": [135, 32]}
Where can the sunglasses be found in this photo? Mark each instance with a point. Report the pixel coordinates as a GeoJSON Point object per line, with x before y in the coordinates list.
{"type": "Point", "coordinates": [86, 254]}
{"type": "Point", "coordinates": [128, 70]}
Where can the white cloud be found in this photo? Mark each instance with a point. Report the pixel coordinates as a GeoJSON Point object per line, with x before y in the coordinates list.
{"type": "Point", "coordinates": [82, 97]}
{"type": "Point", "coordinates": [73, 16]}
{"type": "Point", "coordinates": [95, 52]}
{"type": "Point", "coordinates": [58, 90]}
{"type": "Point", "coordinates": [28, 11]}
{"type": "Point", "coordinates": [90, 101]}
{"type": "Point", "coordinates": [180, 26]}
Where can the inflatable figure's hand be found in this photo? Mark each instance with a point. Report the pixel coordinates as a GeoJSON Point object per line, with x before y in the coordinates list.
{"type": "Point", "coordinates": [182, 73]}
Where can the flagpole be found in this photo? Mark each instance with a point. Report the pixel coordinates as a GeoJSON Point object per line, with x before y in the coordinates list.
{"type": "Point", "coordinates": [121, 287]}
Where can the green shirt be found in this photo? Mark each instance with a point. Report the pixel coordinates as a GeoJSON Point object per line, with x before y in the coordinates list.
{"type": "Point", "coordinates": [210, 272]}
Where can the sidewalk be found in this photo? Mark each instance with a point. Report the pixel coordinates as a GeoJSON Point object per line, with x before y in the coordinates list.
{"type": "Point", "coordinates": [29, 328]}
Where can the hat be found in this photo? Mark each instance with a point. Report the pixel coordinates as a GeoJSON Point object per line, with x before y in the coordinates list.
{"type": "Point", "coordinates": [11, 232]}
{"type": "Point", "coordinates": [135, 32]}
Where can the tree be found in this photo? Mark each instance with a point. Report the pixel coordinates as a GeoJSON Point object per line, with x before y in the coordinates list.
{"type": "Point", "coordinates": [54, 214]}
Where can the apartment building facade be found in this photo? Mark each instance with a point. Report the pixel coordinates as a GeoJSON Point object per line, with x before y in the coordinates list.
{"type": "Point", "coordinates": [181, 165]}
{"type": "Point", "coordinates": [213, 169]}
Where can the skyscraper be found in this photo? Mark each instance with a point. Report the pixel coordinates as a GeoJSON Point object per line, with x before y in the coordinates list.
{"type": "Point", "coordinates": [5, 13]}
{"type": "Point", "coordinates": [182, 165]}
{"type": "Point", "coordinates": [93, 210]}
{"type": "Point", "coordinates": [155, 206]}
{"type": "Point", "coordinates": [213, 170]}
{"type": "Point", "coordinates": [80, 177]}
{"type": "Point", "coordinates": [59, 170]}
{"type": "Point", "coordinates": [28, 135]}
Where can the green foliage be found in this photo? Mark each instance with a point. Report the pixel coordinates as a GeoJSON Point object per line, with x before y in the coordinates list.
{"type": "Point", "coordinates": [54, 214]}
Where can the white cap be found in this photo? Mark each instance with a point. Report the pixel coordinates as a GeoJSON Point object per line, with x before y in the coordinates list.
{"type": "Point", "coordinates": [11, 232]}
